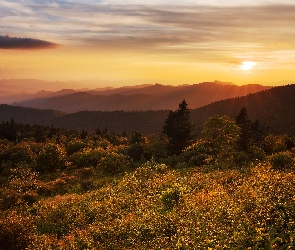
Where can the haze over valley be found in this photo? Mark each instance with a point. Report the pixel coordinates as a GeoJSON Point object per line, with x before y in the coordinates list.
{"type": "Point", "coordinates": [128, 98]}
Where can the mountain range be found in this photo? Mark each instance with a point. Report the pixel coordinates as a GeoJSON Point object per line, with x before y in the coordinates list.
{"type": "Point", "coordinates": [138, 98]}
{"type": "Point", "coordinates": [273, 107]}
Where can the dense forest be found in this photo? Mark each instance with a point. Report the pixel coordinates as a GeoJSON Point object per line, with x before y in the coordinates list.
{"type": "Point", "coordinates": [231, 188]}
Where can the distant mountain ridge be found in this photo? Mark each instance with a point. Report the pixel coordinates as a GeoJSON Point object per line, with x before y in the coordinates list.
{"type": "Point", "coordinates": [273, 107]}
{"type": "Point", "coordinates": [147, 97]}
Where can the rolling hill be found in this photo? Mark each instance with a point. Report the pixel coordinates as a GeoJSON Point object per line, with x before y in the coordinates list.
{"type": "Point", "coordinates": [151, 97]}
{"type": "Point", "coordinates": [273, 107]}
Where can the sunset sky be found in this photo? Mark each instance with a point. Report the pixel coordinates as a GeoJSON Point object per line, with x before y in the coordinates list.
{"type": "Point", "coordinates": [170, 42]}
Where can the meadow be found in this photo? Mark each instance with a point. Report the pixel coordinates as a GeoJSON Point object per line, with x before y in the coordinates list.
{"type": "Point", "coordinates": [70, 190]}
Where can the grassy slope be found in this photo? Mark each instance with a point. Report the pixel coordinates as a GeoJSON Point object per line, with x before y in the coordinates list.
{"type": "Point", "coordinates": [156, 207]}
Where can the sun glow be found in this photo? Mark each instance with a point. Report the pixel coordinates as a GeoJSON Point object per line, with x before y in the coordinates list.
{"type": "Point", "coordinates": [247, 65]}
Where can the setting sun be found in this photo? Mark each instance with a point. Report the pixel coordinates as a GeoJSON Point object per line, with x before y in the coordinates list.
{"type": "Point", "coordinates": [159, 41]}
{"type": "Point", "coordinates": [247, 65]}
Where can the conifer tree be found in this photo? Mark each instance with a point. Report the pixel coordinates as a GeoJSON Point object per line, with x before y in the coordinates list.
{"type": "Point", "coordinates": [251, 133]}
{"type": "Point", "coordinates": [178, 129]}
{"type": "Point", "coordinates": [244, 123]}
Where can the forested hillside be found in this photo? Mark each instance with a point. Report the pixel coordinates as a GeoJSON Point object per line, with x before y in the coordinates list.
{"type": "Point", "coordinates": [273, 107]}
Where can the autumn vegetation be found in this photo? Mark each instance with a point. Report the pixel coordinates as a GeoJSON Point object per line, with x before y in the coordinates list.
{"type": "Point", "coordinates": [232, 187]}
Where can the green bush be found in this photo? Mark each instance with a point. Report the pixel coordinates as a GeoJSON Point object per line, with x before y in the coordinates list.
{"type": "Point", "coordinates": [257, 153]}
{"type": "Point", "coordinates": [240, 157]}
{"type": "Point", "coordinates": [135, 151]}
{"type": "Point", "coordinates": [196, 154]}
{"type": "Point", "coordinates": [113, 163]}
{"type": "Point", "coordinates": [51, 158]}
{"type": "Point", "coordinates": [282, 160]}
{"type": "Point", "coordinates": [170, 198]}
{"type": "Point", "coordinates": [74, 146]}
{"type": "Point", "coordinates": [87, 157]}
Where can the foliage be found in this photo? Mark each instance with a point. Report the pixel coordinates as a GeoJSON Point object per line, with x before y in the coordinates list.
{"type": "Point", "coordinates": [221, 135]}
{"type": "Point", "coordinates": [88, 157]}
{"type": "Point", "coordinates": [156, 207]}
{"type": "Point", "coordinates": [113, 163]}
{"type": "Point", "coordinates": [178, 129]}
{"type": "Point", "coordinates": [197, 154]}
{"type": "Point", "coordinates": [251, 134]}
{"type": "Point", "coordinates": [21, 188]}
{"type": "Point", "coordinates": [156, 147]}
{"type": "Point", "coordinates": [16, 230]}
{"type": "Point", "coordinates": [282, 160]}
{"type": "Point", "coordinates": [51, 158]}
{"type": "Point", "coordinates": [74, 147]}
{"type": "Point", "coordinates": [274, 143]}
{"type": "Point", "coordinates": [170, 198]}
{"type": "Point", "coordinates": [87, 193]}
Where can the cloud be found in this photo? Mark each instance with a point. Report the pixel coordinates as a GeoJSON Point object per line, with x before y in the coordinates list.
{"type": "Point", "coordinates": [7, 42]}
{"type": "Point", "coordinates": [162, 25]}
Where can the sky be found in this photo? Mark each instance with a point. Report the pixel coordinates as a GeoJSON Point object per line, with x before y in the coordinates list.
{"type": "Point", "coordinates": [169, 42]}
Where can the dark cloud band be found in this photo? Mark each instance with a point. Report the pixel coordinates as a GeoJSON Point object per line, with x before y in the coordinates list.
{"type": "Point", "coordinates": [7, 42]}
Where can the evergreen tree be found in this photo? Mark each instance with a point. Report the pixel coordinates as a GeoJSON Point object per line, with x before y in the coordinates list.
{"type": "Point", "coordinates": [40, 134]}
{"type": "Point", "coordinates": [178, 129]}
{"type": "Point", "coordinates": [244, 123]}
{"type": "Point", "coordinates": [84, 134]}
{"type": "Point", "coordinates": [98, 131]}
{"type": "Point", "coordinates": [52, 132]}
{"type": "Point", "coordinates": [251, 133]}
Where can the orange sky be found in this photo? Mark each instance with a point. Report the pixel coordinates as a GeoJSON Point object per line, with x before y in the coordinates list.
{"type": "Point", "coordinates": [161, 41]}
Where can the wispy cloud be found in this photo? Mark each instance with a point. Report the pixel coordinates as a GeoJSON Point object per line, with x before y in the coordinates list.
{"type": "Point", "coordinates": [7, 42]}
{"type": "Point", "coordinates": [160, 26]}
{"type": "Point", "coordinates": [156, 25]}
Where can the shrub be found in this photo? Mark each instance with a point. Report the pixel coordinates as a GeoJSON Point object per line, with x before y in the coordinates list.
{"type": "Point", "coordinates": [51, 158]}
{"type": "Point", "coordinates": [59, 216]}
{"type": "Point", "coordinates": [135, 151]}
{"type": "Point", "coordinates": [240, 157]}
{"type": "Point", "coordinates": [170, 198]}
{"type": "Point", "coordinates": [74, 146]}
{"type": "Point", "coordinates": [282, 160]}
{"type": "Point", "coordinates": [196, 154]}
{"type": "Point", "coordinates": [21, 188]}
{"type": "Point", "coordinates": [274, 144]}
{"type": "Point", "coordinates": [87, 157]}
{"type": "Point", "coordinates": [15, 231]}
{"type": "Point", "coordinates": [20, 152]}
{"type": "Point", "coordinates": [257, 153]}
{"type": "Point", "coordinates": [113, 163]}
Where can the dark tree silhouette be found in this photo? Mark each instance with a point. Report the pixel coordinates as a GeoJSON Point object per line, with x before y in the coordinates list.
{"type": "Point", "coordinates": [178, 129]}
{"type": "Point", "coordinates": [244, 123]}
{"type": "Point", "coordinates": [98, 131]}
{"type": "Point", "coordinates": [251, 133]}
{"type": "Point", "coordinates": [83, 134]}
